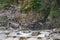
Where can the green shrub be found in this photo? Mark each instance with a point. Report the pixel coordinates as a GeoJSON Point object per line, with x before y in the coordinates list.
{"type": "Point", "coordinates": [4, 3]}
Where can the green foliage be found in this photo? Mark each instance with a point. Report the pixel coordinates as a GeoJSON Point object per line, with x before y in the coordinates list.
{"type": "Point", "coordinates": [32, 4]}
{"type": "Point", "coordinates": [4, 3]}
{"type": "Point", "coordinates": [2, 18]}
{"type": "Point", "coordinates": [55, 13]}
{"type": "Point", "coordinates": [36, 5]}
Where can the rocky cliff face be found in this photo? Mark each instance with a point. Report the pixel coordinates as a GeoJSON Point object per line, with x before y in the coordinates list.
{"type": "Point", "coordinates": [15, 19]}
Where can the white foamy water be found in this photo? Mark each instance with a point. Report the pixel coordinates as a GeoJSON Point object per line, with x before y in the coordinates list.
{"type": "Point", "coordinates": [11, 39]}
{"type": "Point", "coordinates": [3, 36]}
{"type": "Point", "coordinates": [32, 39]}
